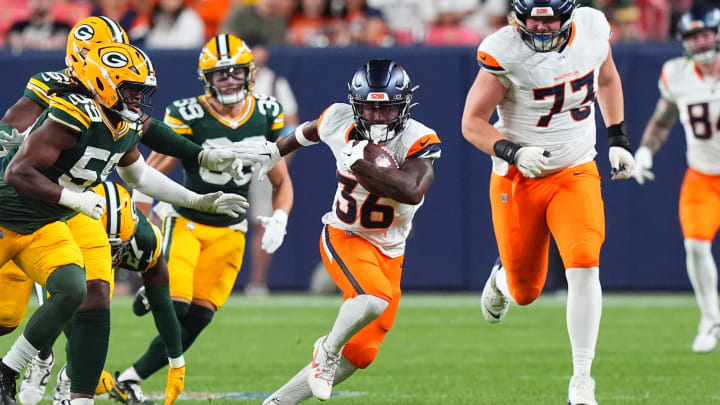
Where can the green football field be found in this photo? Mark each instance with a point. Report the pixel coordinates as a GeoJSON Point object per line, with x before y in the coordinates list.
{"type": "Point", "coordinates": [440, 351]}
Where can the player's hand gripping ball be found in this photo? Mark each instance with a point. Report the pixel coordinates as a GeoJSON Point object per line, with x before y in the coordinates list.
{"type": "Point", "coordinates": [380, 157]}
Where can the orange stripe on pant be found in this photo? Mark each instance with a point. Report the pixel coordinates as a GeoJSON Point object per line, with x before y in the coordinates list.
{"type": "Point", "coordinates": [358, 267]}
{"type": "Point", "coordinates": [700, 205]}
{"type": "Point", "coordinates": [568, 204]}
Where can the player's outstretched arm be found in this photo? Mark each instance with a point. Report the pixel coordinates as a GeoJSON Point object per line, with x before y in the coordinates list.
{"type": "Point", "coordinates": [407, 185]}
{"type": "Point", "coordinates": [305, 134]}
{"type": "Point", "coordinates": [139, 175]}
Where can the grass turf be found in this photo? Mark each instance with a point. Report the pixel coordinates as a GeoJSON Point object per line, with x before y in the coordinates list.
{"type": "Point", "coordinates": [440, 351]}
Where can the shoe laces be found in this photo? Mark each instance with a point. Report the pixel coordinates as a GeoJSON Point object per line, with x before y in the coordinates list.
{"type": "Point", "coordinates": [38, 373]}
{"type": "Point", "coordinates": [328, 367]}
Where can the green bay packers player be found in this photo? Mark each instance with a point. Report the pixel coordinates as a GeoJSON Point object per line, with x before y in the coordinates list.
{"type": "Point", "coordinates": [91, 126]}
{"type": "Point", "coordinates": [204, 250]}
{"type": "Point", "coordinates": [15, 286]}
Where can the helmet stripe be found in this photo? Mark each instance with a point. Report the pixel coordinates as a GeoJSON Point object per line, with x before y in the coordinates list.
{"type": "Point", "coordinates": [147, 60]}
{"type": "Point", "coordinates": [118, 33]}
{"type": "Point", "coordinates": [113, 207]}
{"type": "Point", "coordinates": [223, 46]}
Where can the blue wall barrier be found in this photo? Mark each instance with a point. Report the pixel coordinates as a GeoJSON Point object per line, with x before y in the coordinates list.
{"type": "Point", "coordinates": [452, 245]}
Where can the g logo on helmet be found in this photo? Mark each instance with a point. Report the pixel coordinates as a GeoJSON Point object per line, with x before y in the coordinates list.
{"type": "Point", "coordinates": [84, 32]}
{"type": "Point", "coordinates": [114, 59]}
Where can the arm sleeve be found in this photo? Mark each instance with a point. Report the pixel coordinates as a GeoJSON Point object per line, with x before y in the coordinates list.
{"type": "Point", "coordinates": [161, 138]}
{"type": "Point", "coordinates": [151, 182]}
{"type": "Point", "coordinates": [165, 320]}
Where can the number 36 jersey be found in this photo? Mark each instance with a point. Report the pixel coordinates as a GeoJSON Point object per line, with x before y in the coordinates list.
{"type": "Point", "coordinates": [382, 221]}
{"type": "Point", "coordinates": [550, 98]}
{"type": "Point", "coordinates": [698, 102]}
{"type": "Point", "coordinates": [195, 118]}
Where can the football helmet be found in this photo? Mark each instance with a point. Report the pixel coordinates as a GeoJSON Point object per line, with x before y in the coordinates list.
{"type": "Point", "coordinates": [121, 78]}
{"type": "Point", "coordinates": [544, 41]}
{"type": "Point", "coordinates": [693, 22]}
{"type": "Point", "coordinates": [380, 95]}
{"type": "Point", "coordinates": [120, 218]}
{"type": "Point", "coordinates": [88, 33]}
{"type": "Point", "coordinates": [225, 54]}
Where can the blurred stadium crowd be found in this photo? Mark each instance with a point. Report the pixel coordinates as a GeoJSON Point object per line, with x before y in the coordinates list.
{"type": "Point", "coordinates": [177, 24]}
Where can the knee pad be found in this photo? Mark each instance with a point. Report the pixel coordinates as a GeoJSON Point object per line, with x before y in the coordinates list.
{"type": "Point", "coordinates": [67, 285]}
{"type": "Point", "coordinates": [584, 254]}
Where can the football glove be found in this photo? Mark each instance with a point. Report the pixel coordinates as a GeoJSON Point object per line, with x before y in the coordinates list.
{"type": "Point", "coordinates": [262, 152]}
{"type": "Point", "coordinates": [175, 384]}
{"type": "Point", "coordinates": [87, 202]}
{"type": "Point", "coordinates": [643, 164]}
{"type": "Point", "coordinates": [531, 160]}
{"type": "Point", "coordinates": [274, 230]}
{"type": "Point", "coordinates": [9, 138]}
{"type": "Point", "coordinates": [351, 154]}
{"type": "Point", "coordinates": [621, 163]}
{"type": "Point", "coordinates": [220, 203]}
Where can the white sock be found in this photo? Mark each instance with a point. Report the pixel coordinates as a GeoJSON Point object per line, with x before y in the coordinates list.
{"type": "Point", "coordinates": [82, 401]}
{"type": "Point", "coordinates": [355, 314]}
{"type": "Point", "coordinates": [584, 308]}
{"type": "Point", "coordinates": [20, 354]}
{"type": "Point", "coordinates": [703, 277]}
{"type": "Point", "coordinates": [502, 284]}
{"type": "Point", "coordinates": [129, 375]}
{"type": "Point", "coordinates": [297, 389]}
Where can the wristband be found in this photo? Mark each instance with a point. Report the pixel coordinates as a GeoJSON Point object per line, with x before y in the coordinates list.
{"type": "Point", "coordinates": [506, 150]}
{"type": "Point", "coordinates": [617, 136]}
{"type": "Point", "coordinates": [300, 136]}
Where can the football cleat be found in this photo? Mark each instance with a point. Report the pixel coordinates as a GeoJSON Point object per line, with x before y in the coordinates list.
{"type": "Point", "coordinates": [8, 384]}
{"type": "Point", "coordinates": [322, 371]}
{"type": "Point", "coordinates": [274, 400]}
{"type": "Point", "coordinates": [141, 305]}
{"type": "Point", "coordinates": [494, 304]}
{"type": "Point", "coordinates": [62, 387]}
{"type": "Point", "coordinates": [35, 381]}
{"type": "Point", "coordinates": [105, 384]}
{"type": "Point", "coordinates": [705, 341]}
{"type": "Point", "coordinates": [581, 391]}
{"type": "Point", "coordinates": [127, 392]}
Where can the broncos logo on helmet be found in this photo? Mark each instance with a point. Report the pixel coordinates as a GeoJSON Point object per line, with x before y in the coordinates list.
{"type": "Point", "coordinates": [120, 218]}
{"type": "Point", "coordinates": [225, 55]}
{"type": "Point", "coordinates": [88, 33]}
{"type": "Point", "coordinates": [543, 41]}
{"type": "Point", "coordinates": [380, 96]}
{"type": "Point", "coordinates": [121, 78]}
{"type": "Point", "coordinates": [695, 22]}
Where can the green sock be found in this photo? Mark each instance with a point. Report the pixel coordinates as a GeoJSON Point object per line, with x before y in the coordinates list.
{"type": "Point", "coordinates": [166, 322]}
{"type": "Point", "coordinates": [87, 349]}
{"type": "Point", "coordinates": [47, 350]}
{"type": "Point", "coordinates": [67, 289]}
{"type": "Point", "coordinates": [155, 358]}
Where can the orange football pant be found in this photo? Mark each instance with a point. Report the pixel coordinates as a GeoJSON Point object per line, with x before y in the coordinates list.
{"type": "Point", "coordinates": [700, 205]}
{"type": "Point", "coordinates": [524, 212]}
{"type": "Point", "coordinates": [358, 268]}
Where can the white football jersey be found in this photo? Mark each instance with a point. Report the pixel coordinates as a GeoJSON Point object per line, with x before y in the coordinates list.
{"type": "Point", "coordinates": [698, 101]}
{"type": "Point", "coordinates": [383, 222]}
{"type": "Point", "coordinates": [551, 95]}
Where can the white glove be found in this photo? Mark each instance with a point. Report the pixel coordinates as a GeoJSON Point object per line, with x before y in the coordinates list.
{"type": "Point", "coordinates": [351, 154]}
{"type": "Point", "coordinates": [643, 164]}
{"type": "Point", "coordinates": [531, 160]}
{"type": "Point", "coordinates": [621, 163]}
{"type": "Point", "coordinates": [216, 159]}
{"type": "Point", "coordinates": [262, 152]}
{"type": "Point", "coordinates": [274, 230]}
{"type": "Point", "coordinates": [87, 202]}
{"type": "Point", "coordinates": [220, 203]}
{"type": "Point", "coordinates": [9, 140]}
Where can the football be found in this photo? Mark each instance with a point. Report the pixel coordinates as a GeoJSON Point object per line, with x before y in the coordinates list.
{"type": "Point", "coordinates": [379, 156]}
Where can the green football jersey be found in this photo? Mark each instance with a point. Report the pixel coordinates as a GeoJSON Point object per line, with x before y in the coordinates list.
{"type": "Point", "coordinates": [41, 84]}
{"type": "Point", "coordinates": [196, 119]}
{"type": "Point", "coordinates": [99, 148]}
{"type": "Point", "coordinates": [144, 247]}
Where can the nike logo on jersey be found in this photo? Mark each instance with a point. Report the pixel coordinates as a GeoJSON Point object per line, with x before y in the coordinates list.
{"type": "Point", "coordinates": [482, 57]}
{"type": "Point", "coordinates": [423, 143]}
{"type": "Point", "coordinates": [577, 173]}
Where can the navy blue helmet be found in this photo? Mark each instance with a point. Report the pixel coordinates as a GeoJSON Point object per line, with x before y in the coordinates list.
{"type": "Point", "coordinates": [548, 40]}
{"type": "Point", "coordinates": [696, 21]}
{"type": "Point", "coordinates": [380, 96]}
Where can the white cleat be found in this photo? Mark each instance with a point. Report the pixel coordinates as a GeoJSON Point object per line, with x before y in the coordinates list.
{"type": "Point", "coordinates": [322, 371]}
{"type": "Point", "coordinates": [706, 340]}
{"type": "Point", "coordinates": [62, 388]}
{"type": "Point", "coordinates": [35, 381]}
{"type": "Point", "coordinates": [581, 391]}
{"type": "Point", "coordinates": [275, 400]}
{"type": "Point", "coordinates": [494, 304]}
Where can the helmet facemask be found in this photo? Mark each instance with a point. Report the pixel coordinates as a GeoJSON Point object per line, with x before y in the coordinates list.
{"type": "Point", "coordinates": [545, 41]}
{"type": "Point", "coordinates": [706, 55]}
{"type": "Point", "coordinates": [135, 101]}
{"type": "Point", "coordinates": [380, 121]}
{"type": "Point", "coordinates": [241, 83]}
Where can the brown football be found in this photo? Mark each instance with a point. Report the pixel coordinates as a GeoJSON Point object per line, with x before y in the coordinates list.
{"type": "Point", "coordinates": [379, 156]}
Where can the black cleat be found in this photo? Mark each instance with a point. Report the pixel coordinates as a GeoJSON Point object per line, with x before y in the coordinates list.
{"type": "Point", "coordinates": [8, 384]}
{"type": "Point", "coordinates": [141, 305]}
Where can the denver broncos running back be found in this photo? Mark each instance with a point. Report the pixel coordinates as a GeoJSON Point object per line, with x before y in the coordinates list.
{"type": "Point", "coordinates": [542, 73]}
{"type": "Point", "coordinates": [363, 241]}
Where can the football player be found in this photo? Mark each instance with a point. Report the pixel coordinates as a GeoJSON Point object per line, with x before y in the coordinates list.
{"type": "Point", "coordinates": [362, 243]}
{"type": "Point", "coordinates": [542, 73]}
{"type": "Point", "coordinates": [91, 127]}
{"type": "Point", "coordinates": [205, 251]}
{"type": "Point", "coordinates": [16, 287]}
{"type": "Point", "coordinates": [687, 91]}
